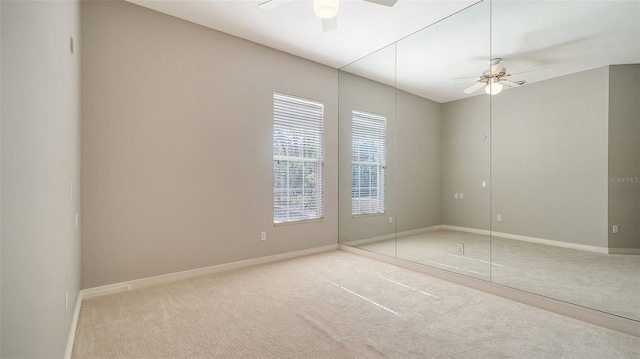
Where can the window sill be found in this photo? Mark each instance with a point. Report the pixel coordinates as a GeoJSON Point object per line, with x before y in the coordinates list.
{"type": "Point", "coordinates": [354, 216]}
{"type": "Point", "coordinates": [299, 222]}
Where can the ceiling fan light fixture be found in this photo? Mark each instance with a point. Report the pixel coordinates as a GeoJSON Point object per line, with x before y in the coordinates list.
{"type": "Point", "coordinates": [493, 88]}
{"type": "Point", "coordinates": [326, 9]}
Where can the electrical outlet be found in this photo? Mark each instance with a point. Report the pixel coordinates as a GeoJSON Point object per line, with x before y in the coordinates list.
{"type": "Point", "coordinates": [390, 219]}
{"type": "Point", "coordinates": [263, 236]}
{"type": "Point", "coordinates": [615, 228]}
{"type": "Point", "coordinates": [461, 195]}
{"type": "Point", "coordinates": [460, 247]}
{"type": "Point", "coordinates": [499, 218]}
{"type": "Point", "coordinates": [455, 195]}
{"type": "Point", "coordinates": [484, 183]}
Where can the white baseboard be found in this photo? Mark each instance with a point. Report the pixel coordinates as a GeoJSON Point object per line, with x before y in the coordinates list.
{"type": "Point", "coordinates": [74, 325]}
{"type": "Point", "coordinates": [360, 242]}
{"type": "Point", "coordinates": [419, 230]}
{"type": "Point", "coordinates": [485, 232]}
{"type": "Point", "coordinates": [517, 237]}
{"type": "Point", "coordinates": [635, 251]}
{"type": "Point", "coordinates": [549, 242]}
{"type": "Point", "coordinates": [172, 277]}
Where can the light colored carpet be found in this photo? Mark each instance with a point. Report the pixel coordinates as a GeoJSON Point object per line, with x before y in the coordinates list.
{"type": "Point", "coordinates": [331, 305]}
{"type": "Point", "coordinates": [605, 282]}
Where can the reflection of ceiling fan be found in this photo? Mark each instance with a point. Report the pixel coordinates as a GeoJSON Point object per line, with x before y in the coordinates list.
{"type": "Point", "coordinates": [492, 80]}
{"type": "Point", "coordinates": [324, 9]}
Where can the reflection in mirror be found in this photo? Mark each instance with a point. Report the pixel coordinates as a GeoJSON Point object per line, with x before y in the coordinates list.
{"type": "Point", "coordinates": [443, 147]}
{"type": "Point", "coordinates": [539, 183]}
{"type": "Point", "coordinates": [367, 153]}
{"type": "Point", "coordinates": [557, 135]}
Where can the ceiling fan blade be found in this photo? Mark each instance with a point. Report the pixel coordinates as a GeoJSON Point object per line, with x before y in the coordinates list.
{"type": "Point", "coordinates": [383, 2]}
{"type": "Point", "coordinates": [330, 24]}
{"type": "Point", "coordinates": [459, 80]}
{"type": "Point", "coordinates": [525, 72]}
{"type": "Point", "coordinates": [475, 87]}
{"type": "Point", "coordinates": [510, 83]}
{"type": "Point", "coordinates": [272, 4]}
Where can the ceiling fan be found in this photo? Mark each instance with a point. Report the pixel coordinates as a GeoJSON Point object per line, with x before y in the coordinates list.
{"type": "Point", "coordinates": [326, 10]}
{"type": "Point", "coordinates": [493, 79]}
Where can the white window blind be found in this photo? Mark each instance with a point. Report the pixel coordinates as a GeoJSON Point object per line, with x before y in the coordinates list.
{"type": "Point", "coordinates": [297, 159]}
{"type": "Point", "coordinates": [368, 163]}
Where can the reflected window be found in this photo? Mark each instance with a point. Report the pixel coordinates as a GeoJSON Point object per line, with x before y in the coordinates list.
{"type": "Point", "coordinates": [297, 159]}
{"type": "Point", "coordinates": [368, 163]}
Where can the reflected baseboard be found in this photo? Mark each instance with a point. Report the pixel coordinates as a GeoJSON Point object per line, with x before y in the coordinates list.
{"type": "Point", "coordinates": [360, 242]}
{"type": "Point", "coordinates": [634, 251]}
{"type": "Point", "coordinates": [518, 237]}
{"type": "Point", "coordinates": [584, 314]}
{"type": "Point", "coordinates": [486, 232]}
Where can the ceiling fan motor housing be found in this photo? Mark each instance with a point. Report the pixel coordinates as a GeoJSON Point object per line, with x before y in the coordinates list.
{"type": "Point", "coordinates": [495, 74]}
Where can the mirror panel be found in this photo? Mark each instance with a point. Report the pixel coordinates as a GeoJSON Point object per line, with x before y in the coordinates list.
{"type": "Point", "coordinates": [548, 167]}
{"type": "Point", "coordinates": [556, 143]}
{"type": "Point", "coordinates": [367, 117]}
{"type": "Point", "coordinates": [443, 145]}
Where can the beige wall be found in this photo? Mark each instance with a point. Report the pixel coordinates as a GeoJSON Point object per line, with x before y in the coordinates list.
{"type": "Point", "coordinates": [418, 162]}
{"type": "Point", "coordinates": [624, 156]}
{"type": "Point", "coordinates": [543, 160]}
{"type": "Point", "coordinates": [365, 95]}
{"type": "Point", "coordinates": [466, 141]}
{"type": "Point", "coordinates": [549, 159]}
{"type": "Point", "coordinates": [413, 159]}
{"type": "Point", "coordinates": [39, 161]}
{"type": "Point", "coordinates": [176, 155]}
{"type": "Point", "coordinates": [0, 180]}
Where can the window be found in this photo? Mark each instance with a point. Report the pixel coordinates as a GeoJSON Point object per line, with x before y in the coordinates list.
{"type": "Point", "coordinates": [368, 163]}
{"type": "Point", "coordinates": [297, 159]}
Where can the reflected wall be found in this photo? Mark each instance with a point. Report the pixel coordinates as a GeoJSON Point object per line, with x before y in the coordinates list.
{"type": "Point", "coordinates": [443, 208]}
{"type": "Point", "coordinates": [556, 142]}
{"type": "Point", "coordinates": [367, 168]}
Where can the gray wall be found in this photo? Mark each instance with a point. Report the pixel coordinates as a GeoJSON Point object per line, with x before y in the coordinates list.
{"type": "Point", "coordinates": [40, 159]}
{"type": "Point", "coordinates": [413, 164]}
{"type": "Point", "coordinates": [0, 180]}
{"type": "Point", "coordinates": [624, 156]}
{"type": "Point", "coordinates": [466, 141]}
{"type": "Point", "coordinates": [361, 94]}
{"type": "Point", "coordinates": [544, 159]}
{"type": "Point", "coordinates": [177, 153]}
{"type": "Point", "coordinates": [418, 162]}
{"type": "Point", "coordinates": [549, 159]}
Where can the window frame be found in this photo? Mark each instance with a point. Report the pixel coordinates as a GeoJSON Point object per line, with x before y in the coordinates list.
{"type": "Point", "coordinates": [380, 207]}
{"type": "Point", "coordinates": [313, 134]}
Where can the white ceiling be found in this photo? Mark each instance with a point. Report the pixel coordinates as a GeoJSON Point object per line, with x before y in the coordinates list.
{"type": "Point", "coordinates": [554, 37]}
{"type": "Point", "coordinates": [293, 27]}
